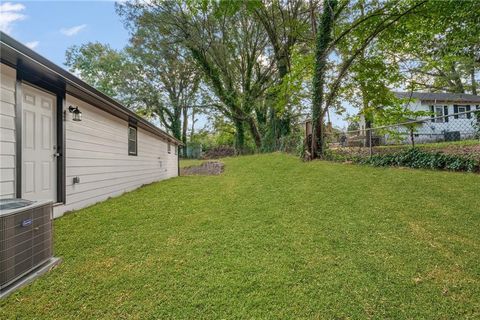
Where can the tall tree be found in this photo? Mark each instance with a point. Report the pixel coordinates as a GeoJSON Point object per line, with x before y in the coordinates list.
{"type": "Point", "coordinates": [324, 39]}
{"type": "Point", "coordinates": [155, 81]}
{"type": "Point", "coordinates": [286, 23]}
{"type": "Point", "coordinates": [169, 79]}
{"type": "Point", "coordinates": [343, 21]}
{"type": "Point", "coordinates": [101, 66]}
{"type": "Point", "coordinates": [227, 45]}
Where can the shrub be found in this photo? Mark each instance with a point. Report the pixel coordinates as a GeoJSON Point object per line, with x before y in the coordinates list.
{"type": "Point", "coordinates": [292, 143]}
{"type": "Point", "coordinates": [415, 158]}
{"type": "Point", "coordinates": [337, 156]}
{"type": "Point", "coordinates": [219, 152]}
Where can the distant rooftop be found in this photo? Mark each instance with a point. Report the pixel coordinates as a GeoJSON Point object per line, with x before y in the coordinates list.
{"type": "Point", "coordinates": [440, 97]}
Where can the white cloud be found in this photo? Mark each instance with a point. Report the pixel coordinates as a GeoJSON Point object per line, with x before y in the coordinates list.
{"type": "Point", "coordinates": [9, 13]}
{"type": "Point", "coordinates": [32, 44]}
{"type": "Point", "coordinates": [73, 30]}
{"type": "Point", "coordinates": [8, 6]}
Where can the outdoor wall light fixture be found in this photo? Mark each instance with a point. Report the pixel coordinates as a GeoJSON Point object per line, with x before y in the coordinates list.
{"type": "Point", "coordinates": [77, 114]}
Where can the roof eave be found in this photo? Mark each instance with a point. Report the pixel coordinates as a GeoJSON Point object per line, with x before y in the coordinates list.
{"type": "Point", "coordinates": [74, 81]}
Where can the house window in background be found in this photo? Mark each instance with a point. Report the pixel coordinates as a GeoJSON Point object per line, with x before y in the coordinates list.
{"type": "Point", "coordinates": [169, 148]}
{"type": "Point", "coordinates": [460, 110]}
{"type": "Point", "coordinates": [132, 141]}
{"type": "Point", "coordinates": [439, 113]}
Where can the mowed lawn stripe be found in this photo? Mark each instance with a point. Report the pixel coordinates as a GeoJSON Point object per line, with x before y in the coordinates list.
{"type": "Point", "coordinates": [272, 237]}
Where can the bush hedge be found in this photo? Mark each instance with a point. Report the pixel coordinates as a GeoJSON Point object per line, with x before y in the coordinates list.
{"type": "Point", "coordinates": [415, 158]}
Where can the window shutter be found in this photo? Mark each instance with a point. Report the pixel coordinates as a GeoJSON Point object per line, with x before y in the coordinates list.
{"type": "Point", "coordinates": [445, 113]}
{"type": "Point", "coordinates": [432, 110]}
{"type": "Point", "coordinates": [455, 110]}
{"type": "Point", "coordinates": [469, 115]}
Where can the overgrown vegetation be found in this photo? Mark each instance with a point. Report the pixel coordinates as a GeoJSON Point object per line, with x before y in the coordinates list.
{"type": "Point", "coordinates": [410, 157]}
{"type": "Point", "coordinates": [415, 158]}
{"type": "Point", "coordinates": [267, 239]}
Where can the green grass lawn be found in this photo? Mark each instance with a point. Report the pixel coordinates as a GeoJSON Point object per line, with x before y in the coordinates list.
{"type": "Point", "coordinates": [272, 237]}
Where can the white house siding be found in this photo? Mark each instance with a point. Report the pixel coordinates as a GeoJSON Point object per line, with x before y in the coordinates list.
{"type": "Point", "coordinates": [7, 131]}
{"type": "Point", "coordinates": [97, 153]}
{"type": "Point", "coordinates": [466, 126]}
{"type": "Point", "coordinates": [433, 131]}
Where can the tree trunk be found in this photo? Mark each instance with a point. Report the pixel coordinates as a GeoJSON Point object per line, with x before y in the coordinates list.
{"type": "Point", "coordinates": [192, 130]}
{"type": "Point", "coordinates": [239, 136]}
{"type": "Point", "coordinates": [278, 125]}
{"type": "Point", "coordinates": [472, 79]}
{"type": "Point", "coordinates": [368, 133]}
{"type": "Point", "coordinates": [184, 130]}
{"type": "Point", "coordinates": [363, 88]}
{"type": "Point", "coordinates": [313, 21]}
{"type": "Point", "coordinates": [176, 123]}
{"type": "Point", "coordinates": [282, 123]}
{"type": "Point", "coordinates": [324, 37]}
{"type": "Point", "coordinates": [255, 133]}
{"type": "Point", "coordinates": [456, 79]}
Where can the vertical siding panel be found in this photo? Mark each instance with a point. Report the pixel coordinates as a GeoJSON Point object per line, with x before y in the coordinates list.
{"type": "Point", "coordinates": [7, 131]}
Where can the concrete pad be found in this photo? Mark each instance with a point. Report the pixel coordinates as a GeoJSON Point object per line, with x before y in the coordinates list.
{"type": "Point", "coordinates": [30, 277]}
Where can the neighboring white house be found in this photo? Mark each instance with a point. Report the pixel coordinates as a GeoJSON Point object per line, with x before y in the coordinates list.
{"type": "Point", "coordinates": [46, 153]}
{"type": "Point", "coordinates": [449, 113]}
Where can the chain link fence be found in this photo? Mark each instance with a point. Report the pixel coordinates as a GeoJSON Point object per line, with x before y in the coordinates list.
{"type": "Point", "coordinates": [457, 133]}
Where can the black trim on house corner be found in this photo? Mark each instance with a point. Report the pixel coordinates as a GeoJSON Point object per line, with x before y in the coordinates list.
{"type": "Point", "coordinates": [61, 163]}
{"type": "Point", "coordinates": [37, 79]}
{"type": "Point", "coordinates": [18, 135]}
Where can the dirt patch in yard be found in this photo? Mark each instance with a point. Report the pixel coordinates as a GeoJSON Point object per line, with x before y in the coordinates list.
{"type": "Point", "coordinates": [206, 169]}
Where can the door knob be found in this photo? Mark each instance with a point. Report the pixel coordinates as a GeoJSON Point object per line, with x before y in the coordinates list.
{"type": "Point", "coordinates": [57, 154]}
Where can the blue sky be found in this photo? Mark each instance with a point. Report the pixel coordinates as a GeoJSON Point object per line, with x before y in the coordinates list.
{"type": "Point", "coordinates": [50, 27]}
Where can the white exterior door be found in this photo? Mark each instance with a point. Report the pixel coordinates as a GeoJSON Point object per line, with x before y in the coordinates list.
{"type": "Point", "coordinates": [39, 167]}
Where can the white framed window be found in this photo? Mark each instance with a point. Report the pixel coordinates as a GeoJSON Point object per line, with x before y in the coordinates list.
{"type": "Point", "coordinates": [176, 149]}
{"type": "Point", "coordinates": [460, 110]}
{"type": "Point", "coordinates": [169, 148]}
{"type": "Point", "coordinates": [132, 141]}
{"type": "Point", "coordinates": [439, 113]}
